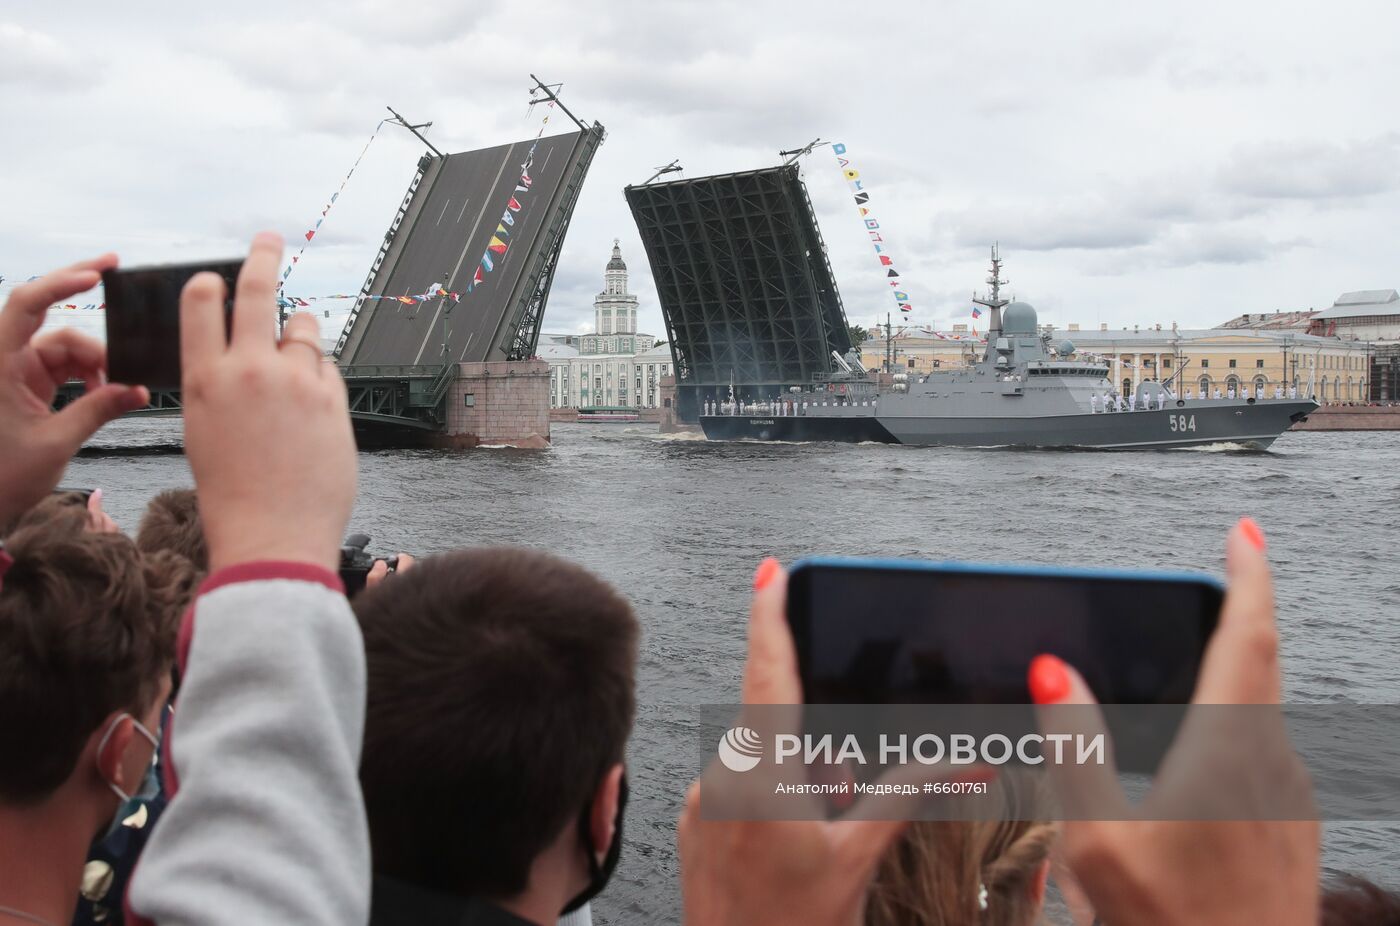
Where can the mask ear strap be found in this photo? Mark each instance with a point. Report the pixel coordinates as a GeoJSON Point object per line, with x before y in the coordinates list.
{"type": "Point", "coordinates": [102, 747]}
{"type": "Point", "coordinates": [599, 872]}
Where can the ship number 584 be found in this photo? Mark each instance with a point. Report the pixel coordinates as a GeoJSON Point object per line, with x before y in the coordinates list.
{"type": "Point", "coordinates": [1182, 422]}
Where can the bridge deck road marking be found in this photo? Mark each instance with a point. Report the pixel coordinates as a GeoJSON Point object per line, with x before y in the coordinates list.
{"type": "Point", "coordinates": [445, 204]}
{"type": "Point", "coordinates": [476, 223]}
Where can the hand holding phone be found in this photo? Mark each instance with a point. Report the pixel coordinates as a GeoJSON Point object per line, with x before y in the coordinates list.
{"type": "Point", "coordinates": [39, 442]}
{"type": "Point", "coordinates": [1257, 864]}
{"type": "Point", "coordinates": [267, 424]}
{"type": "Point", "coordinates": [770, 871]}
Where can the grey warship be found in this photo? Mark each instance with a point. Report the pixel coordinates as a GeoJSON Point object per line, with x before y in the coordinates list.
{"type": "Point", "coordinates": [1024, 391]}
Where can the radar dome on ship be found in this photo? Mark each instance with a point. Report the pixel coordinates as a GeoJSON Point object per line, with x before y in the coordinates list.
{"type": "Point", "coordinates": [1018, 318]}
{"type": "Point", "coordinates": [1066, 348]}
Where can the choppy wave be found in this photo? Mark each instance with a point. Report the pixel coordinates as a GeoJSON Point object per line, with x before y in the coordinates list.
{"type": "Point", "coordinates": [679, 524]}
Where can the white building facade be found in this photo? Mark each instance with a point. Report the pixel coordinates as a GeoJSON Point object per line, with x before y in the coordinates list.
{"type": "Point", "coordinates": [613, 366]}
{"type": "Point", "coordinates": [1366, 315]}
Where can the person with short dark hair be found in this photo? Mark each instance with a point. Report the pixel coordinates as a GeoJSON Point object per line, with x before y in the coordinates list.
{"type": "Point", "coordinates": [501, 696]}
{"type": "Point", "coordinates": [171, 522]}
{"type": "Point", "coordinates": [87, 639]}
{"type": "Point", "coordinates": [1354, 901]}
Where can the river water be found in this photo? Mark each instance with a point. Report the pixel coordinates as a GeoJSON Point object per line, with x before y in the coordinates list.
{"type": "Point", "coordinates": [679, 525]}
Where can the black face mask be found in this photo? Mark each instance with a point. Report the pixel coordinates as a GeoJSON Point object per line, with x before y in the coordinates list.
{"type": "Point", "coordinates": [599, 875]}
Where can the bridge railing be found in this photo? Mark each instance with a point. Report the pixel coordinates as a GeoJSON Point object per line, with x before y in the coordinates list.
{"type": "Point", "coordinates": [390, 371]}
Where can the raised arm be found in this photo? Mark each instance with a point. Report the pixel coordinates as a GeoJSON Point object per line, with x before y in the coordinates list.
{"type": "Point", "coordinates": [266, 823]}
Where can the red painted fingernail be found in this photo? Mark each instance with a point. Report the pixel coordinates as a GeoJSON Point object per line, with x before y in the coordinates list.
{"type": "Point", "coordinates": [1048, 679]}
{"type": "Point", "coordinates": [1253, 533]}
{"type": "Point", "coordinates": [765, 573]}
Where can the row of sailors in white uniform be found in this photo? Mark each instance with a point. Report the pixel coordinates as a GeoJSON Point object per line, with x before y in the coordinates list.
{"type": "Point", "coordinates": [1113, 402]}
{"type": "Point", "coordinates": [781, 409]}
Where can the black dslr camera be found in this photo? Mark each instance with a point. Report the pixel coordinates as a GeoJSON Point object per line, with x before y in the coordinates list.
{"type": "Point", "coordinates": [355, 563]}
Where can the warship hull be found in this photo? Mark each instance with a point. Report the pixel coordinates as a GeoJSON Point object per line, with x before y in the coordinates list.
{"type": "Point", "coordinates": [853, 429]}
{"type": "Point", "coordinates": [1251, 424]}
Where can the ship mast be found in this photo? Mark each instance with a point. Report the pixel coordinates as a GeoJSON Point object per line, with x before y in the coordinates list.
{"type": "Point", "coordinates": [993, 300]}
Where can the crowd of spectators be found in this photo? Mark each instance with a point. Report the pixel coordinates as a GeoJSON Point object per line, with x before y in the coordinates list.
{"type": "Point", "coordinates": [199, 727]}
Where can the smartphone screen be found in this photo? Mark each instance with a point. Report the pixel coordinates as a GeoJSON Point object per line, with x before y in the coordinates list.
{"type": "Point", "coordinates": [143, 320]}
{"type": "Point", "coordinates": [877, 633]}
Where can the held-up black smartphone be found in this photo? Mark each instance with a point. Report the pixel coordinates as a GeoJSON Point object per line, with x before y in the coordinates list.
{"type": "Point", "coordinates": [143, 320]}
{"type": "Point", "coordinates": [896, 632]}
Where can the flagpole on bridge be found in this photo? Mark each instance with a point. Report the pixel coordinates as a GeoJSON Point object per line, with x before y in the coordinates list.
{"type": "Point", "coordinates": [401, 121]}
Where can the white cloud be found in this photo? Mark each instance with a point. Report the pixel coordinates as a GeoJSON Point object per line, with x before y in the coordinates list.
{"type": "Point", "coordinates": [33, 59]}
{"type": "Point", "coordinates": [1138, 163]}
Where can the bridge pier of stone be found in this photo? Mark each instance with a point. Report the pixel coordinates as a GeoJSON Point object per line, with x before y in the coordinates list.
{"type": "Point", "coordinates": [498, 403]}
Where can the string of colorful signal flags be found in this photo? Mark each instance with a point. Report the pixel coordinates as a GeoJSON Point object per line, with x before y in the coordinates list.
{"type": "Point", "coordinates": [311, 232]}
{"type": "Point", "coordinates": [434, 292]}
{"type": "Point", "coordinates": [872, 226]}
{"type": "Point", "coordinates": [500, 240]}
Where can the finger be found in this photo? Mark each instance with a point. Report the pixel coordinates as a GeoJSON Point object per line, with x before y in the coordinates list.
{"type": "Point", "coordinates": [98, 522]}
{"type": "Point", "coordinates": [689, 843]}
{"type": "Point", "coordinates": [96, 516]}
{"type": "Point", "coordinates": [302, 336]}
{"type": "Point", "coordinates": [405, 562]}
{"type": "Point", "coordinates": [255, 297]}
{"type": "Point", "coordinates": [66, 354]}
{"type": "Point", "coordinates": [1065, 705]}
{"type": "Point", "coordinates": [202, 328]}
{"type": "Point", "coordinates": [770, 674]}
{"type": "Point", "coordinates": [1241, 663]}
{"type": "Point", "coordinates": [81, 418]}
{"type": "Point", "coordinates": [690, 813]}
{"type": "Point", "coordinates": [101, 523]}
{"type": "Point", "coordinates": [376, 573]}
{"type": "Point", "coordinates": [28, 304]}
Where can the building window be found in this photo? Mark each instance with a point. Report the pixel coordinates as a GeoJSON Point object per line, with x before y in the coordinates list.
{"type": "Point", "coordinates": [1259, 384]}
{"type": "Point", "coordinates": [1166, 363]}
{"type": "Point", "coordinates": [1259, 364]}
{"type": "Point", "coordinates": [1232, 363]}
{"type": "Point", "coordinates": [1232, 382]}
{"type": "Point", "coordinates": [911, 363]}
{"type": "Point", "coordinates": [1205, 364]}
{"type": "Point", "coordinates": [1205, 386]}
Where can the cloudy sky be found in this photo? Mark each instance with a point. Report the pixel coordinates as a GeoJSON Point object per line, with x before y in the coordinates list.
{"type": "Point", "coordinates": [1139, 163]}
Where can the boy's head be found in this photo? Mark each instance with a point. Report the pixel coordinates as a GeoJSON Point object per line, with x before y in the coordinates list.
{"type": "Point", "coordinates": [87, 638]}
{"type": "Point", "coordinates": [500, 701]}
{"type": "Point", "coordinates": [171, 522]}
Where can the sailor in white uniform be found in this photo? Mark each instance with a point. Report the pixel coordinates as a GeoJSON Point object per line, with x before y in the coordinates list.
{"type": "Point", "coordinates": [1093, 403]}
